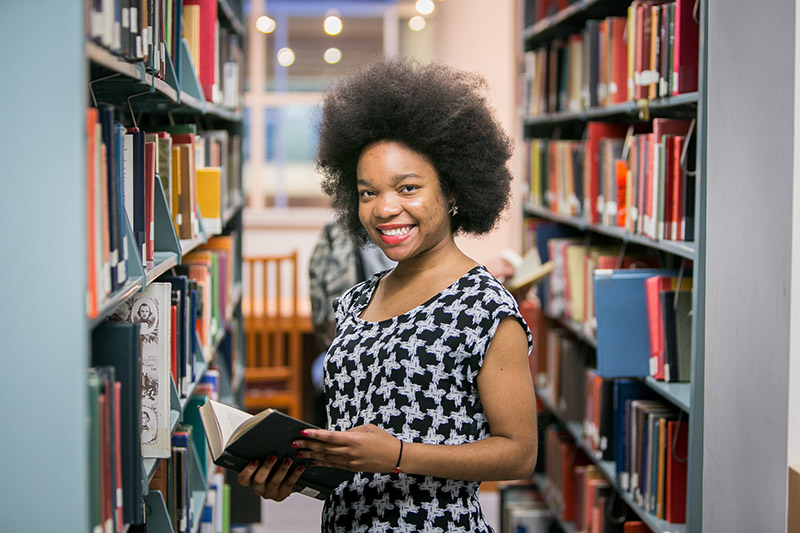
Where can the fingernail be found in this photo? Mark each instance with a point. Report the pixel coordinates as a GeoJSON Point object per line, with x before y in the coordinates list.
{"type": "Point", "coordinates": [254, 464]}
{"type": "Point", "coordinates": [301, 469]}
{"type": "Point", "coordinates": [305, 433]}
{"type": "Point", "coordinates": [287, 461]}
{"type": "Point", "coordinates": [300, 455]}
{"type": "Point", "coordinates": [314, 463]}
{"type": "Point", "coordinates": [271, 459]}
{"type": "Point", "coordinates": [295, 445]}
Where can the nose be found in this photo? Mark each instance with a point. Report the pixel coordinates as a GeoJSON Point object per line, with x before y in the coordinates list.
{"type": "Point", "coordinates": [387, 206]}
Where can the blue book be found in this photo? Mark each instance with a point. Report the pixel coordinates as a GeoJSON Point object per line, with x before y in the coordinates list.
{"type": "Point", "coordinates": [623, 337]}
{"type": "Point", "coordinates": [625, 390]}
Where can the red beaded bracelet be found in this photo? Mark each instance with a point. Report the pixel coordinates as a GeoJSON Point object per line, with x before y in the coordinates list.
{"type": "Point", "coordinates": [399, 457]}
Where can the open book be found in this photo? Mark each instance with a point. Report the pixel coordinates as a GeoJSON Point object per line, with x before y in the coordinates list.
{"type": "Point", "coordinates": [236, 438]}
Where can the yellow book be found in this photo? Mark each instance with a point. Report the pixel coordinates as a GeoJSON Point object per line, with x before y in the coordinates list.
{"type": "Point", "coordinates": [209, 187]}
{"type": "Point", "coordinates": [191, 32]}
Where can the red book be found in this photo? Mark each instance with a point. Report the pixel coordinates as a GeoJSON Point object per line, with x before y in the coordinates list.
{"type": "Point", "coordinates": [679, 230]}
{"type": "Point", "coordinates": [642, 51]}
{"type": "Point", "coordinates": [207, 69]}
{"type": "Point", "coordinates": [91, 157]}
{"type": "Point", "coordinates": [687, 31]}
{"type": "Point", "coordinates": [105, 457]}
{"type": "Point", "coordinates": [173, 360]}
{"type": "Point", "coordinates": [676, 471]}
{"type": "Point", "coordinates": [595, 132]}
{"type": "Point", "coordinates": [619, 61]}
{"type": "Point", "coordinates": [652, 287]}
{"type": "Point", "coordinates": [635, 527]}
{"type": "Point", "coordinates": [118, 451]}
{"type": "Point", "coordinates": [149, 198]}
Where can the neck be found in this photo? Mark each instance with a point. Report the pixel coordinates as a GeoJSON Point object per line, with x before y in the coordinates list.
{"type": "Point", "coordinates": [444, 257]}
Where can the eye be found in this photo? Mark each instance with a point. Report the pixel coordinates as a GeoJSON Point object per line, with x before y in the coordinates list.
{"type": "Point", "coordinates": [365, 194]}
{"type": "Point", "coordinates": [409, 188]}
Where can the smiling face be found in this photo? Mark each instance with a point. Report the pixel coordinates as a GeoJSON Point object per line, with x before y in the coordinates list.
{"type": "Point", "coordinates": [401, 203]}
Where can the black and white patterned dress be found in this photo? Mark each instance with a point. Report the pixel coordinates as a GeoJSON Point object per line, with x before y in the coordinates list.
{"type": "Point", "coordinates": [415, 376]}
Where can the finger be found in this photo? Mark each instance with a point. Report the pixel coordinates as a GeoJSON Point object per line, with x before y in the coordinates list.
{"type": "Point", "coordinates": [322, 435]}
{"type": "Point", "coordinates": [287, 487]}
{"type": "Point", "coordinates": [262, 473]}
{"type": "Point", "coordinates": [246, 475]}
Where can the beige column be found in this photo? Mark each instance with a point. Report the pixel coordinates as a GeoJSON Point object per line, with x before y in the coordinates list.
{"type": "Point", "coordinates": [257, 63]}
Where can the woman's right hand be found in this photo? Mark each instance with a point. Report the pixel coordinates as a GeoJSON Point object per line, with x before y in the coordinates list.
{"type": "Point", "coordinates": [277, 487]}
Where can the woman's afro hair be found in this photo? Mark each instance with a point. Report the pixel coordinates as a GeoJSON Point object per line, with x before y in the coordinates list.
{"type": "Point", "coordinates": [438, 111]}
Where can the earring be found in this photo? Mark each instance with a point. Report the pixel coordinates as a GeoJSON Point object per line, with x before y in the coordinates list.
{"type": "Point", "coordinates": [453, 210]}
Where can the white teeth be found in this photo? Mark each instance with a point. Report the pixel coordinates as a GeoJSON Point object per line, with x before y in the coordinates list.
{"type": "Point", "coordinates": [396, 231]}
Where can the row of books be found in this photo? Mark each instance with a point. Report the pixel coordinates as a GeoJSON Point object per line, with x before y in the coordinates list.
{"type": "Point", "coordinates": [652, 53]}
{"type": "Point", "coordinates": [638, 178]}
{"type": "Point", "coordinates": [129, 171]}
{"type": "Point", "coordinates": [130, 421]}
{"type": "Point", "coordinates": [153, 31]}
{"type": "Point", "coordinates": [579, 492]}
{"type": "Point", "coordinates": [594, 288]}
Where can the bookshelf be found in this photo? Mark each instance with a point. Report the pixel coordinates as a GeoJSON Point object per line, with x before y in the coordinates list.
{"type": "Point", "coordinates": [558, 121]}
{"type": "Point", "coordinates": [59, 72]}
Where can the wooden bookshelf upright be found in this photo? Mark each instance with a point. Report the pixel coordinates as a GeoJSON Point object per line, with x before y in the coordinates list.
{"type": "Point", "coordinates": [559, 121]}
{"type": "Point", "coordinates": [60, 72]}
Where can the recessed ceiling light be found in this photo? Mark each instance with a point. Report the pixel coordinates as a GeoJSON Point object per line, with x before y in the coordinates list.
{"type": "Point", "coordinates": [425, 7]}
{"type": "Point", "coordinates": [285, 57]}
{"type": "Point", "coordinates": [332, 25]}
{"type": "Point", "coordinates": [332, 55]}
{"type": "Point", "coordinates": [264, 24]}
{"type": "Point", "coordinates": [416, 23]}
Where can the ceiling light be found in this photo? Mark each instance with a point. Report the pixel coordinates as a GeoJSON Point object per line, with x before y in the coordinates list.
{"type": "Point", "coordinates": [425, 7]}
{"type": "Point", "coordinates": [416, 23]}
{"type": "Point", "coordinates": [332, 25]}
{"type": "Point", "coordinates": [264, 24]}
{"type": "Point", "coordinates": [285, 57]}
{"type": "Point", "coordinates": [332, 55]}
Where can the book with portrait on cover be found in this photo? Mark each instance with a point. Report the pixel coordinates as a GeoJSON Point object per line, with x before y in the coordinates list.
{"type": "Point", "coordinates": [236, 438]}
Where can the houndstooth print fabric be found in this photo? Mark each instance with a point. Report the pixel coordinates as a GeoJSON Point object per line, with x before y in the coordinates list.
{"type": "Point", "coordinates": [415, 376]}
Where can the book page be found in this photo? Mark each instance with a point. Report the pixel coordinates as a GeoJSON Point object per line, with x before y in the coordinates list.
{"type": "Point", "coordinates": [229, 418]}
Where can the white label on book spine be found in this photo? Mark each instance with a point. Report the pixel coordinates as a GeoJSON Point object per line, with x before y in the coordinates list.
{"type": "Point", "coordinates": [109, 526]}
{"type": "Point", "coordinates": [634, 212]}
{"type": "Point", "coordinates": [121, 273]}
{"type": "Point", "coordinates": [653, 365]}
{"type": "Point", "coordinates": [308, 491]}
{"type": "Point", "coordinates": [119, 497]}
{"type": "Point", "coordinates": [144, 254]}
{"type": "Point", "coordinates": [634, 481]}
{"type": "Point", "coordinates": [126, 18]}
{"type": "Point", "coordinates": [97, 529]}
{"type": "Point", "coordinates": [134, 14]}
{"type": "Point", "coordinates": [624, 480]}
{"type": "Point", "coordinates": [604, 443]}
{"type": "Point", "coordinates": [179, 219]}
{"type": "Point", "coordinates": [666, 372]}
{"type": "Point", "coordinates": [152, 230]}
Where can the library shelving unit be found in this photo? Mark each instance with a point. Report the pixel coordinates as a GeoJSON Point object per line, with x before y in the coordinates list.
{"type": "Point", "coordinates": [685, 396]}
{"type": "Point", "coordinates": [48, 351]}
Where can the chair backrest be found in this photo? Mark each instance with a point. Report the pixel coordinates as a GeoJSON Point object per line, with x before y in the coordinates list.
{"type": "Point", "coordinates": [273, 361]}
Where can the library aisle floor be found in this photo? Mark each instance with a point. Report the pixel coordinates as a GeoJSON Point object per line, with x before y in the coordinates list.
{"type": "Point", "coordinates": [300, 514]}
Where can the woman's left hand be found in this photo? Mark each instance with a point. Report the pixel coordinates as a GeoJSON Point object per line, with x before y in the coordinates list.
{"type": "Point", "coordinates": [361, 449]}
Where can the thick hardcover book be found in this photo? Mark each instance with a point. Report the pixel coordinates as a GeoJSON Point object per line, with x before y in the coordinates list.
{"type": "Point", "coordinates": [236, 438]}
{"type": "Point", "coordinates": [183, 342]}
{"type": "Point", "coordinates": [623, 337]}
{"type": "Point", "coordinates": [151, 310]}
{"type": "Point", "coordinates": [118, 345]}
{"type": "Point", "coordinates": [206, 67]}
{"type": "Point", "coordinates": [685, 56]}
{"type": "Point", "coordinates": [677, 458]}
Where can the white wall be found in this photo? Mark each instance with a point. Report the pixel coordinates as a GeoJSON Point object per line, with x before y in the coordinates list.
{"type": "Point", "coordinates": [483, 37]}
{"type": "Point", "coordinates": [751, 94]}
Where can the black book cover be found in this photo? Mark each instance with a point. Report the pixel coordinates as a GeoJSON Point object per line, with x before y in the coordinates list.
{"type": "Point", "coordinates": [667, 299]}
{"type": "Point", "coordinates": [273, 433]}
{"type": "Point", "coordinates": [181, 284]}
{"type": "Point", "coordinates": [106, 114]}
{"type": "Point", "coordinates": [139, 212]}
{"type": "Point", "coordinates": [118, 344]}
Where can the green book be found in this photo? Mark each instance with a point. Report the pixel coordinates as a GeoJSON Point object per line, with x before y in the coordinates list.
{"type": "Point", "coordinates": [94, 449]}
{"type": "Point", "coordinates": [226, 508]}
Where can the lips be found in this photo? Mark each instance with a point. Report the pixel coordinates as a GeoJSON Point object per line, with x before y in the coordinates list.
{"type": "Point", "coordinates": [395, 234]}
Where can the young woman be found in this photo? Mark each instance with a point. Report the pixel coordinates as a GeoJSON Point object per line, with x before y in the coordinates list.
{"type": "Point", "coordinates": [427, 383]}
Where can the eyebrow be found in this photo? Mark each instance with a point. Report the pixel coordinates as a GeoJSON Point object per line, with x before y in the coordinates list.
{"type": "Point", "coordinates": [395, 179]}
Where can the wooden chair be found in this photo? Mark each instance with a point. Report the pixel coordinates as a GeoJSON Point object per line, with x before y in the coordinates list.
{"type": "Point", "coordinates": [273, 362]}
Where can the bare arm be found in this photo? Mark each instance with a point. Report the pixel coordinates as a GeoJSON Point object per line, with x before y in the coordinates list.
{"type": "Point", "coordinates": [506, 390]}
